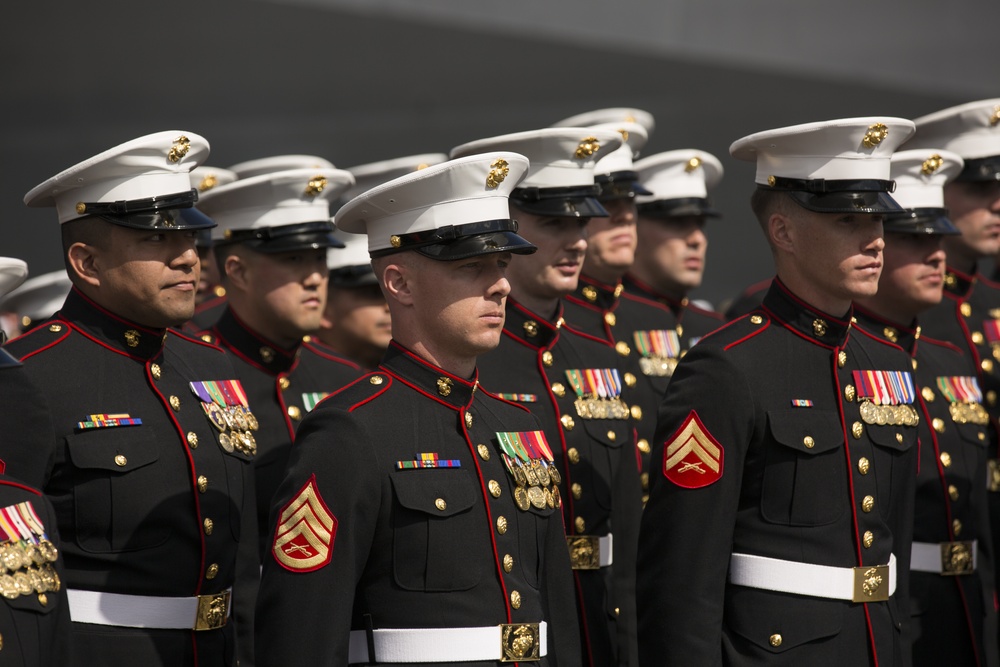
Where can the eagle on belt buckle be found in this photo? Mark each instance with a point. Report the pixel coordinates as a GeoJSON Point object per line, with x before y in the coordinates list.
{"type": "Point", "coordinates": [213, 610]}
{"type": "Point", "coordinates": [956, 558]}
{"type": "Point", "coordinates": [584, 552]}
{"type": "Point", "coordinates": [519, 642]}
{"type": "Point", "coordinates": [871, 584]}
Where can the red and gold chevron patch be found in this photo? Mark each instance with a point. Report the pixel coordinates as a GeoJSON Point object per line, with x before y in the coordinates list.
{"type": "Point", "coordinates": [303, 540]}
{"type": "Point", "coordinates": [692, 458]}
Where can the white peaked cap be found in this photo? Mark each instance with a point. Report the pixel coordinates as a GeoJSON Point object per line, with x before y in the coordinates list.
{"type": "Point", "coordinates": [921, 174]}
{"type": "Point", "coordinates": [679, 174]}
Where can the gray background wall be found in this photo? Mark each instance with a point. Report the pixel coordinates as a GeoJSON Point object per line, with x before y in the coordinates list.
{"type": "Point", "coordinates": [362, 80]}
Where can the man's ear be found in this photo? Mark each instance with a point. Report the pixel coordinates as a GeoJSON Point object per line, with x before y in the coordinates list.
{"type": "Point", "coordinates": [84, 261]}
{"type": "Point", "coordinates": [782, 233]}
{"type": "Point", "coordinates": [396, 283]}
{"type": "Point", "coordinates": [236, 271]}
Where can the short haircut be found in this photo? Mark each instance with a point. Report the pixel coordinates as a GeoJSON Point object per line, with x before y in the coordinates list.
{"type": "Point", "coordinates": [88, 230]}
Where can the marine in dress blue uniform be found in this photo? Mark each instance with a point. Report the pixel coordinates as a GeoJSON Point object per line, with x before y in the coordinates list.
{"type": "Point", "coordinates": [779, 522]}
{"type": "Point", "coordinates": [408, 527]}
{"type": "Point", "coordinates": [150, 501]}
{"type": "Point", "coordinates": [271, 243]}
{"type": "Point", "coordinates": [572, 381]}
{"type": "Point", "coordinates": [953, 620]}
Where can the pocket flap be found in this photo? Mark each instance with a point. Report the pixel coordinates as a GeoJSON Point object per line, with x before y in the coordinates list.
{"type": "Point", "coordinates": [119, 449]}
{"type": "Point", "coordinates": [806, 430]}
{"type": "Point", "coordinates": [897, 438]}
{"type": "Point", "coordinates": [790, 620]}
{"type": "Point", "coordinates": [435, 491]}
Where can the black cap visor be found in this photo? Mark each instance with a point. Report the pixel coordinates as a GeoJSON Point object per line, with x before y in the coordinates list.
{"type": "Point", "coordinates": [677, 208]}
{"type": "Point", "coordinates": [453, 242]}
{"type": "Point", "coordinates": [358, 275]}
{"type": "Point", "coordinates": [619, 185]}
{"type": "Point", "coordinates": [980, 170]}
{"type": "Point", "coordinates": [173, 212]}
{"type": "Point", "coordinates": [930, 221]}
{"type": "Point", "coordinates": [838, 196]}
{"type": "Point", "coordinates": [285, 238]}
{"type": "Point", "coordinates": [572, 202]}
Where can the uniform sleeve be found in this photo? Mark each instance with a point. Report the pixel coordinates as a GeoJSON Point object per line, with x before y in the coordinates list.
{"type": "Point", "coordinates": [686, 533]}
{"type": "Point", "coordinates": [27, 437]}
{"type": "Point", "coordinates": [332, 492]}
{"type": "Point", "coordinates": [625, 516]}
{"type": "Point", "coordinates": [559, 597]}
{"type": "Point", "coordinates": [247, 572]}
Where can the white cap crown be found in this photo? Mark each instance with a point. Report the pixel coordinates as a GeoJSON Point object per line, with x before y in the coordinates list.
{"type": "Point", "coordinates": [679, 174]}
{"type": "Point", "coordinates": [921, 175]}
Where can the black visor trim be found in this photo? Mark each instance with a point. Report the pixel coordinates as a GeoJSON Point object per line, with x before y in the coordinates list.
{"type": "Point", "coordinates": [920, 221]}
{"type": "Point", "coordinates": [162, 212]}
{"type": "Point", "coordinates": [980, 170]}
{"type": "Point", "coordinates": [677, 208]}
{"type": "Point", "coordinates": [284, 238]}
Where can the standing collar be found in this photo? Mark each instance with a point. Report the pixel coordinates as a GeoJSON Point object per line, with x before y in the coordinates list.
{"type": "Point", "coordinates": [110, 330]}
{"type": "Point", "coordinates": [957, 283]}
{"type": "Point", "coordinates": [234, 333]}
{"type": "Point", "coordinates": [905, 336]}
{"type": "Point", "coordinates": [428, 379]}
{"type": "Point", "coordinates": [596, 294]}
{"type": "Point", "coordinates": [676, 305]}
{"type": "Point", "coordinates": [813, 324]}
{"type": "Point", "coordinates": [531, 328]}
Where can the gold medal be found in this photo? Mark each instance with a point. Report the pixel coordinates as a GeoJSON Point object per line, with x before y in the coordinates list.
{"type": "Point", "coordinates": [49, 550]}
{"type": "Point", "coordinates": [541, 472]}
{"type": "Point", "coordinates": [240, 419]}
{"type": "Point", "coordinates": [582, 408]}
{"type": "Point", "coordinates": [35, 554]}
{"type": "Point", "coordinates": [518, 474]}
{"type": "Point", "coordinates": [521, 498]}
{"type": "Point", "coordinates": [251, 443]}
{"type": "Point", "coordinates": [56, 584]}
{"type": "Point", "coordinates": [10, 557]}
{"type": "Point", "coordinates": [881, 415]}
{"type": "Point", "coordinates": [23, 583]}
{"type": "Point", "coordinates": [252, 421]}
{"type": "Point", "coordinates": [536, 496]}
{"type": "Point", "coordinates": [549, 500]}
{"type": "Point", "coordinates": [37, 580]}
{"type": "Point", "coordinates": [868, 410]}
{"type": "Point", "coordinates": [8, 587]}
{"type": "Point", "coordinates": [530, 476]}
{"type": "Point", "coordinates": [226, 442]}
{"type": "Point", "coordinates": [554, 474]}
{"type": "Point", "coordinates": [556, 498]}
{"type": "Point", "coordinates": [215, 416]}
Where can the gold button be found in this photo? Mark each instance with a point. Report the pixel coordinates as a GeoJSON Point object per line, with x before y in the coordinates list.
{"type": "Point", "coordinates": [612, 436]}
{"type": "Point", "coordinates": [945, 459]}
{"type": "Point", "coordinates": [121, 461]}
{"type": "Point", "coordinates": [580, 524]}
{"type": "Point", "coordinates": [938, 425]}
{"type": "Point", "coordinates": [484, 452]}
{"type": "Point", "coordinates": [610, 319]}
{"type": "Point", "coordinates": [573, 454]}
{"type": "Point", "coordinates": [577, 490]}
{"type": "Point", "coordinates": [991, 397]}
{"type": "Point", "coordinates": [841, 359]}
{"type": "Point", "coordinates": [192, 439]}
{"type": "Point", "coordinates": [55, 328]}
{"type": "Point", "coordinates": [590, 293]}
{"type": "Point", "coordinates": [547, 358]}
{"type": "Point", "coordinates": [207, 338]}
{"type": "Point", "coordinates": [775, 640]}
{"type": "Point", "coordinates": [986, 365]}
{"type": "Point", "coordinates": [868, 539]}
{"type": "Point", "coordinates": [175, 403]}
{"type": "Point", "coordinates": [891, 334]}
{"type": "Point", "coordinates": [284, 383]}
{"type": "Point", "coordinates": [43, 600]}
{"type": "Point", "coordinates": [928, 394]}
{"type": "Point", "coordinates": [819, 327]}
{"type": "Point", "coordinates": [899, 438]}
{"type": "Point", "coordinates": [636, 412]}
{"type": "Point", "coordinates": [494, 488]}
{"type": "Point", "coordinates": [567, 422]}
{"type": "Point", "coordinates": [644, 479]}
{"type": "Point", "coordinates": [850, 393]}
{"type": "Point", "coordinates": [508, 563]}
{"type": "Point", "coordinates": [307, 338]}
{"type": "Point", "coordinates": [953, 492]}
{"type": "Point", "coordinates": [515, 599]}
{"type": "Point", "coordinates": [468, 420]}
{"type": "Point", "coordinates": [202, 483]}
{"type": "Point", "coordinates": [756, 319]}
{"type": "Point", "coordinates": [294, 412]}
{"type": "Point", "coordinates": [966, 309]}
{"type": "Point", "coordinates": [629, 380]}
{"type": "Point", "coordinates": [977, 337]}
{"type": "Point", "coordinates": [212, 571]}
{"type": "Point", "coordinates": [209, 526]}
{"type": "Point", "coordinates": [808, 442]}
{"type": "Point", "coordinates": [558, 389]}
{"type": "Point", "coordinates": [376, 380]}
{"type": "Point", "coordinates": [622, 348]}
{"type": "Point", "coordinates": [266, 354]}
{"type": "Point", "coordinates": [501, 524]}
{"type": "Point", "coordinates": [442, 505]}
{"type": "Point", "coordinates": [857, 428]}
{"type": "Point", "coordinates": [867, 504]}
{"type": "Point", "coordinates": [981, 435]}
{"type": "Point", "coordinates": [956, 526]}
{"type": "Point", "coordinates": [444, 385]}
{"type": "Point", "coordinates": [618, 611]}
{"type": "Point", "coordinates": [531, 328]}
{"type": "Point", "coordinates": [155, 370]}
{"type": "Point", "coordinates": [680, 330]}
{"type": "Point", "coordinates": [913, 362]}
{"type": "Point", "coordinates": [644, 447]}
{"type": "Point", "coordinates": [863, 465]}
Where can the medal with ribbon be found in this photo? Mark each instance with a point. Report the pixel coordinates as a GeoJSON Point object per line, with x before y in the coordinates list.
{"type": "Point", "coordinates": [966, 400]}
{"type": "Point", "coordinates": [598, 393]}
{"type": "Point", "coordinates": [659, 350]}
{"type": "Point", "coordinates": [886, 397]}
{"type": "Point", "coordinates": [226, 406]}
{"type": "Point", "coordinates": [26, 553]}
{"type": "Point", "coordinates": [529, 460]}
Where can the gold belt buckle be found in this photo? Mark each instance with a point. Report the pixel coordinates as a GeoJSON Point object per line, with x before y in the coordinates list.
{"type": "Point", "coordinates": [584, 552]}
{"type": "Point", "coordinates": [956, 558]}
{"type": "Point", "coordinates": [213, 611]}
{"type": "Point", "coordinates": [871, 584]}
{"type": "Point", "coordinates": [519, 642]}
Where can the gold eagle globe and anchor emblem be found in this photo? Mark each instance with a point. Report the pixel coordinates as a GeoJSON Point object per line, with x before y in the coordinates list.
{"type": "Point", "coordinates": [498, 172]}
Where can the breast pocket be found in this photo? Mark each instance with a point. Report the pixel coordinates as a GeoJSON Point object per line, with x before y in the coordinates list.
{"type": "Point", "coordinates": [435, 529]}
{"type": "Point", "coordinates": [804, 478]}
{"type": "Point", "coordinates": [114, 486]}
{"type": "Point", "coordinates": [895, 461]}
{"type": "Point", "coordinates": [608, 436]}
